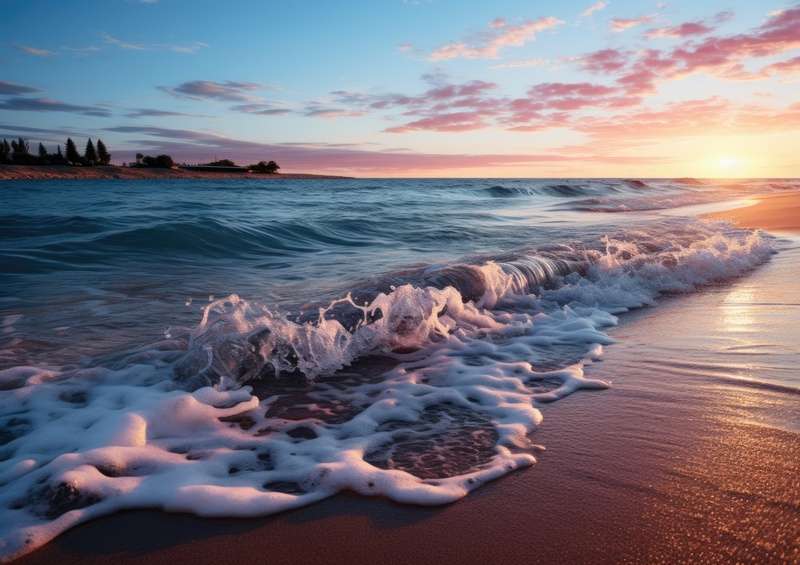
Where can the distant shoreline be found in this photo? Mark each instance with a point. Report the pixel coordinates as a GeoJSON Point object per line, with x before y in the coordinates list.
{"type": "Point", "coordinates": [110, 172]}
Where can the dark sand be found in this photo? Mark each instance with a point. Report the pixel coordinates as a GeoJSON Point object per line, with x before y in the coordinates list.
{"type": "Point", "coordinates": [689, 457]}
{"type": "Point", "coordinates": [773, 212]}
{"type": "Point", "coordinates": [56, 172]}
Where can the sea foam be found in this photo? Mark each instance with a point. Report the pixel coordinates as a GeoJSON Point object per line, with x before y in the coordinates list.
{"type": "Point", "coordinates": [417, 392]}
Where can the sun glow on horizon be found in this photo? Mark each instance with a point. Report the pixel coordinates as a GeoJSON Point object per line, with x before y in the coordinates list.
{"type": "Point", "coordinates": [728, 163]}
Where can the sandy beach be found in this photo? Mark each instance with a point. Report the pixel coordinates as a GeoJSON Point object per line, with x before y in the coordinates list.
{"type": "Point", "coordinates": [696, 460]}
{"type": "Point", "coordinates": [771, 212]}
{"type": "Point", "coordinates": [52, 172]}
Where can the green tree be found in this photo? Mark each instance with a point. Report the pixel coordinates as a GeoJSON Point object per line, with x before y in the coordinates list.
{"type": "Point", "coordinates": [90, 156]}
{"type": "Point", "coordinates": [44, 157]}
{"type": "Point", "coordinates": [72, 152]}
{"type": "Point", "coordinates": [103, 156]}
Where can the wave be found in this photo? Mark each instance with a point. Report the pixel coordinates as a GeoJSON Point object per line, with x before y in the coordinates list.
{"type": "Point", "coordinates": [420, 387]}
{"type": "Point", "coordinates": [55, 243]}
{"type": "Point", "coordinates": [565, 189]}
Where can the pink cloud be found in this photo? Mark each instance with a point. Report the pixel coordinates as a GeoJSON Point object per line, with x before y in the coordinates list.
{"type": "Point", "coordinates": [604, 61]}
{"type": "Point", "coordinates": [686, 29]}
{"type": "Point", "coordinates": [621, 24]}
{"type": "Point", "coordinates": [562, 89]}
{"type": "Point", "coordinates": [455, 121]}
{"type": "Point", "coordinates": [722, 55]}
{"type": "Point", "coordinates": [596, 7]}
{"type": "Point", "coordinates": [788, 67]}
{"type": "Point", "coordinates": [500, 35]}
{"type": "Point", "coordinates": [690, 118]}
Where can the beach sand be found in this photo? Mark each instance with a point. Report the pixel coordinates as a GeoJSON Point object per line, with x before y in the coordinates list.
{"type": "Point", "coordinates": [691, 456]}
{"type": "Point", "coordinates": [53, 172]}
{"type": "Point", "coordinates": [773, 212]}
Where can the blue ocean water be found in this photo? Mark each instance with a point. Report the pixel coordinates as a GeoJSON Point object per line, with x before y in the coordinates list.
{"type": "Point", "coordinates": [239, 347]}
{"type": "Point", "coordinates": [93, 267]}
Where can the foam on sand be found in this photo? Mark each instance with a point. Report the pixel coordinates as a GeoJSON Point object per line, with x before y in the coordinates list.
{"type": "Point", "coordinates": [174, 426]}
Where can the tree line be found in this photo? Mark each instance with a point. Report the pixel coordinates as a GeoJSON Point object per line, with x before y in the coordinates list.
{"type": "Point", "coordinates": [18, 152]}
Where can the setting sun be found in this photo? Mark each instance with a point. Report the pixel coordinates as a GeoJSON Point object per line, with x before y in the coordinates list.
{"type": "Point", "coordinates": [728, 163]}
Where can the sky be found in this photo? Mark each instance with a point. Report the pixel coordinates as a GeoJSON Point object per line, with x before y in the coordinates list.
{"type": "Point", "coordinates": [415, 88]}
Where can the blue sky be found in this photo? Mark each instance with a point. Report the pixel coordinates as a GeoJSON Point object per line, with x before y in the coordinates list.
{"type": "Point", "coordinates": [363, 86]}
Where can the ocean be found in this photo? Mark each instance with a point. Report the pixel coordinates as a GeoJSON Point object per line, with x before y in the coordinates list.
{"type": "Point", "coordinates": [238, 347]}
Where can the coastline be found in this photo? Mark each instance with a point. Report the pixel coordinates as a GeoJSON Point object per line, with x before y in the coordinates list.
{"type": "Point", "coordinates": [62, 172]}
{"type": "Point", "coordinates": [771, 212]}
{"type": "Point", "coordinates": [687, 457]}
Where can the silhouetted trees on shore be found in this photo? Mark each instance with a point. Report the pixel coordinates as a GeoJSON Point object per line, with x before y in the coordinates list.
{"type": "Point", "coordinates": [18, 152]}
{"type": "Point", "coordinates": [159, 162]}
{"type": "Point", "coordinates": [269, 168]}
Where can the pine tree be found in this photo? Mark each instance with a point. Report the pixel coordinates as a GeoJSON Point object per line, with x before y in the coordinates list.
{"type": "Point", "coordinates": [5, 150]}
{"type": "Point", "coordinates": [58, 158]}
{"type": "Point", "coordinates": [19, 148]}
{"type": "Point", "coordinates": [44, 157]}
{"type": "Point", "coordinates": [72, 152]}
{"type": "Point", "coordinates": [91, 155]}
{"type": "Point", "coordinates": [103, 156]}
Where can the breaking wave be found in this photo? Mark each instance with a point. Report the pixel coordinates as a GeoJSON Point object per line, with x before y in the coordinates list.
{"type": "Point", "coordinates": [418, 385]}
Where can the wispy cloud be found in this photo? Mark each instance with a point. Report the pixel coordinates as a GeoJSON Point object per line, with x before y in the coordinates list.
{"type": "Point", "coordinates": [81, 50]}
{"type": "Point", "coordinates": [155, 113]}
{"type": "Point", "coordinates": [689, 29]}
{"type": "Point", "coordinates": [685, 29]}
{"type": "Point", "coordinates": [596, 7]}
{"type": "Point", "coordinates": [111, 40]}
{"type": "Point", "coordinates": [261, 109]}
{"type": "Point", "coordinates": [228, 91]}
{"type": "Point", "coordinates": [18, 104]}
{"type": "Point", "coordinates": [185, 48]}
{"type": "Point", "coordinates": [35, 51]}
{"type": "Point", "coordinates": [522, 64]}
{"type": "Point", "coordinates": [320, 111]}
{"type": "Point", "coordinates": [489, 43]}
{"type": "Point", "coordinates": [621, 24]}
{"type": "Point", "coordinates": [9, 88]}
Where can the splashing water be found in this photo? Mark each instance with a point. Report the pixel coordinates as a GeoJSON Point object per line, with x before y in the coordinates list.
{"type": "Point", "coordinates": [419, 387]}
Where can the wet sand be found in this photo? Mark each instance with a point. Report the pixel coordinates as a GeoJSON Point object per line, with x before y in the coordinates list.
{"type": "Point", "coordinates": [773, 212]}
{"type": "Point", "coordinates": [56, 172]}
{"type": "Point", "coordinates": [692, 456]}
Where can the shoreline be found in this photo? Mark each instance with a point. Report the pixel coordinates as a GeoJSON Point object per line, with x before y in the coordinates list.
{"type": "Point", "coordinates": [681, 460]}
{"type": "Point", "coordinates": [113, 172]}
{"type": "Point", "coordinates": [770, 212]}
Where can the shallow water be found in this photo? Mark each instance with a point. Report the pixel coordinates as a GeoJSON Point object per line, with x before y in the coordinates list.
{"type": "Point", "coordinates": [237, 348]}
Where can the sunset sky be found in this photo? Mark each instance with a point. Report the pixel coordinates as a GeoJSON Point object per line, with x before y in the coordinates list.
{"type": "Point", "coordinates": [508, 88]}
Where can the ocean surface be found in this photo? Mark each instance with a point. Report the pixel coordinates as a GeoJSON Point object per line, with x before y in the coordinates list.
{"type": "Point", "coordinates": [237, 348]}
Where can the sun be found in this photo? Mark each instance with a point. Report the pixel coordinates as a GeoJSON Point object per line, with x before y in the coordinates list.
{"type": "Point", "coordinates": [728, 163]}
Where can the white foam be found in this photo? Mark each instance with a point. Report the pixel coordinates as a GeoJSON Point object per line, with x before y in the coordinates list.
{"type": "Point", "coordinates": [88, 442]}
